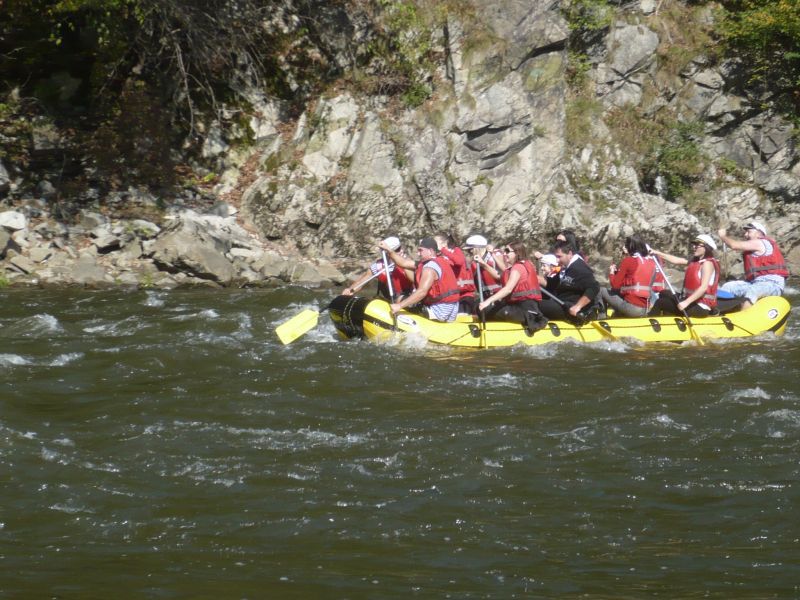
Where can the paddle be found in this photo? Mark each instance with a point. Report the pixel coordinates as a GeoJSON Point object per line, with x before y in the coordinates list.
{"type": "Point", "coordinates": [389, 285]}
{"type": "Point", "coordinates": [481, 314]}
{"type": "Point", "coordinates": [695, 336]}
{"type": "Point", "coordinates": [594, 324]}
{"type": "Point", "coordinates": [388, 275]}
{"type": "Point", "coordinates": [305, 321]}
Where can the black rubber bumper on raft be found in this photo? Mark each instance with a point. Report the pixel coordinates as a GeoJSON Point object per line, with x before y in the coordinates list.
{"type": "Point", "coordinates": [347, 314]}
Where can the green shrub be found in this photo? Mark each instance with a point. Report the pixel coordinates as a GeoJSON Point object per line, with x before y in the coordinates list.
{"type": "Point", "coordinates": [588, 15]}
{"type": "Point", "coordinates": [766, 35]}
{"type": "Point", "coordinates": [678, 158]}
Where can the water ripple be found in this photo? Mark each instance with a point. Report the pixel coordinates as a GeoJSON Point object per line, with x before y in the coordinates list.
{"type": "Point", "coordinates": [173, 431]}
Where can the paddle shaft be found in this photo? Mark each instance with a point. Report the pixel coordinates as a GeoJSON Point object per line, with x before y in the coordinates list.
{"type": "Point", "coordinates": [388, 275]}
{"type": "Point", "coordinates": [672, 289]}
{"type": "Point", "coordinates": [554, 297]}
{"type": "Point", "coordinates": [480, 282]}
{"type": "Point", "coordinates": [481, 314]}
{"type": "Point", "coordinates": [354, 289]}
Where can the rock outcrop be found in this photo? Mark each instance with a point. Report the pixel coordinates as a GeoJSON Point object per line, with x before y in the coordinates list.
{"type": "Point", "coordinates": [529, 129]}
{"type": "Point", "coordinates": [490, 151]}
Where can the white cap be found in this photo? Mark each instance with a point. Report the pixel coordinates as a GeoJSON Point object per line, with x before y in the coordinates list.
{"type": "Point", "coordinates": [757, 226]}
{"type": "Point", "coordinates": [707, 240]}
{"type": "Point", "coordinates": [476, 241]}
{"type": "Point", "coordinates": [549, 259]}
{"type": "Point", "coordinates": [392, 242]}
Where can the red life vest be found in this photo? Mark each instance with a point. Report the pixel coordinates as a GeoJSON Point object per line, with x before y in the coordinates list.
{"type": "Point", "coordinates": [490, 284]}
{"type": "Point", "coordinates": [659, 283]}
{"type": "Point", "coordinates": [638, 287]}
{"type": "Point", "coordinates": [772, 264]}
{"type": "Point", "coordinates": [694, 278]}
{"type": "Point", "coordinates": [444, 289]}
{"type": "Point", "coordinates": [527, 287]}
{"type": "Point", "coordinates": [401, 284]}
{"type": "Point", "coordinates": [466, 284]}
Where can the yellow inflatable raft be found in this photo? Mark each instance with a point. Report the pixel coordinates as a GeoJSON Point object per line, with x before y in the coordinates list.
{"type": "Point", "coordinates": [356, 317]}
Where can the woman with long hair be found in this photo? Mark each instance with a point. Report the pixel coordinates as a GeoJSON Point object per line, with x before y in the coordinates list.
{"type": "Point", "coordinates": [518, 300]}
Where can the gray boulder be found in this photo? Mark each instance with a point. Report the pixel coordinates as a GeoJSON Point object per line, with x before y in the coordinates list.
{"type": "Point", "coordinates": [86, 271]}
{"type": "Point", "coordinates": [107, 242]}
{"type": "Point", "coordinates": [40, 254]}
{"type": "Point", "coordinates": [271, 265]}
{"type": "Point", "coordinates": [13, 220]}
{"type": "Point", "coordinates": [5, 180]}
{"type": "Point", "coordinates": [50, 229]}
{"type": "Point", "coordinates": [197, 246]}
{"type": "Point", "coordinates": [23, 264]}
{"type": "Point", "coordinates": [143, 229]}
{"type": "Point", "coordinates": [5, 239]}
{"type": "Point", "coordinates": [304, 273]}
{"type": "Point", "coordinates": [89, 220]}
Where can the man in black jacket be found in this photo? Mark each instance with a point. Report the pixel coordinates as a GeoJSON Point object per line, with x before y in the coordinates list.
{"type": "Point", "coordinates": [575, 285]}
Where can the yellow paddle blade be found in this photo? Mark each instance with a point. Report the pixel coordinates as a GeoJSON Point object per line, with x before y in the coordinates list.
{"type": "Point", "coordinates": [603, 331]}
{"type": "Point", "coordinates": [297, 326]}
{"type": "Point", "coordinates": [696, 336]}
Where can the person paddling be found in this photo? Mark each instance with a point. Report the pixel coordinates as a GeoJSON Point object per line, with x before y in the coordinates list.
{"type": "Point", "coordinates": [518, 300]}
{"type": "Point", "coordinates": [575, 286]}
{"type": "Point", "coordinates": [449, 248]}
{"type": "Point", "coordinates": [436, 290]}
{"type": "Point", "coordinates": [483, 261]}
{"type": "Point", "coordinates": [699, 297]}
{"type": "Point", "coordinates": [402, 279]}
{"type": "Point", "coordinates": [635, 283]}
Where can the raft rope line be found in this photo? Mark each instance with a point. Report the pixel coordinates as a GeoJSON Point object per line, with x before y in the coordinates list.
{"type": "Point", "coordinates": [348, 314]}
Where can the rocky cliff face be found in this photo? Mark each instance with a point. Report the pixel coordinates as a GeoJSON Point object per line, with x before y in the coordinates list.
{"type": "Point", "coordinates": [503, 148]}
{"type": "Point", "coordinates": [532, 125]}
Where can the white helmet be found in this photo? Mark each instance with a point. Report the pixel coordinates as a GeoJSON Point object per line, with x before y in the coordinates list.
{"type": "Point", "coordinates": [476, 241]}
{"type": "Point", "coordinates": [707, 240]}
{"type": "Point", "coordinates": [757, 226]}
{"type": "Point", "coordinates": [392, 242]}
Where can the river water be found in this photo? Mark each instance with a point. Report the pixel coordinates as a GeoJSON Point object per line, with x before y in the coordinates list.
{"type": "Point", "coordinates": [166, 445]}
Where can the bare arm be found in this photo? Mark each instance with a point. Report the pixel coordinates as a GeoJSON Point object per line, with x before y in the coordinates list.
{"type": "Point", "coordinates": [741, 245]}
{"type": "Point", "coordinates": [579, 305]}
{"type": "Point", "coordinates": [425, 282]}
{"type": "Point", "coordinates": [500, 258]}
{"type": "Point", "coordinates": [349, 291]}
{"type": "Point", "coordinates": [401, 261]}
{"type": "Point", "coordinates": [487, 267]}
{"type": "Point", "coordinates": [670, 258]}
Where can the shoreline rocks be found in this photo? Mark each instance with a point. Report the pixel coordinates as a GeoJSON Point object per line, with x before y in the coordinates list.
{"type": "Point", "coordinates": [190, 249]}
